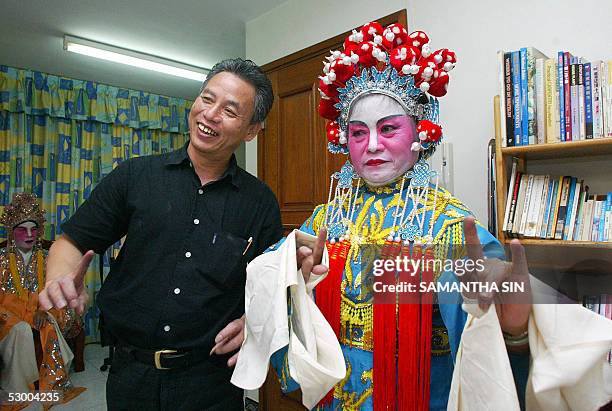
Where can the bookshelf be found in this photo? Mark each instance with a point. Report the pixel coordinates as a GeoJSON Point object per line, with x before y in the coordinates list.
{"type": "Point", "coordinates": [565, 150]}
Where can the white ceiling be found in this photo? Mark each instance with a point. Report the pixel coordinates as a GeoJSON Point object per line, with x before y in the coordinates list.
{"type": "Point", "coordinates": [194, 32]}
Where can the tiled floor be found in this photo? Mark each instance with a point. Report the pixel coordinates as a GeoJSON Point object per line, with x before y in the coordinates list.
{"type": "Point", "coordinates": [94, 399]}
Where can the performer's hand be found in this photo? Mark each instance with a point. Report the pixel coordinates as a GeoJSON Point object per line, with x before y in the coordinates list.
{"type": "Point", "coordinates": [309, 259]}
{"type": "Point", "coordinates": [513, 308]}
{"type": "Point", "coordinates": [67, 290]}
{"type": "Point", "coordinates": [39, 319]}
{"type": "Point", "coordinates": [230, 339]}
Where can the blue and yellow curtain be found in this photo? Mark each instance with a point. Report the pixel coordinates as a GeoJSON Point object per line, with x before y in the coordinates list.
{"type": "Point", "coordinates": [60, 136]}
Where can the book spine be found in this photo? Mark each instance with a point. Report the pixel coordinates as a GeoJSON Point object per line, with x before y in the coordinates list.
{"type": "Point", "coordinates": [520, 202]}
{"type": "Point", "coordinates": [587, 223]}
{"type": "Point", "coordinates": [552, 217]}
{"type": "Point", "coordinates": [552, 229]}
{"type": "Point", "coordinates": [562, 209]}
{"type": "Point", "coordinates": [597, 205]}
{"type": "Point", "coordinates": [575, 234]}
{"type": "Point", "coordinates": [534, 206]}
{"type": "Point", "coordinates": [588, 101]}
{"type": "Point", "coordinates": [570, 205]}
{"type": "Point", "coordinates": [509, 197]}
{"type": "Point", "coordinates": [605, 98]}
{"type": "Point", "coordinates": [597, 129]}
{"type": "Point", "coordinates": [515, 193]}
{"type": "Point", "coordinates": [581, 108]}
{"type": "Point", "coordinates": [574, 210]}
{"type": "Point", "coordinates": [606, 235]}
{"type": "Point", "coordinates": [526, 204]}
{"type": "Point", "coordinates": [543, 201]}
{"type": "Point", "coordinates": [547, 209]}
{"type": "Point", "coordinates": [567, 96]}
{"type": "Point", "coordinates": [509, 113]}
{"type": "Point", "coordinates": [540, 105]}
{"type": "Point", "coordinates": [516, 96]}
{"type": "Point", "coordinates": [560, 88]}
{"type": "Point", "coordinates": [524, 99]}
{"type": "Point", "coordinates": [574, 101]}
{"type": "Point", "coordinates": [549, 96]}
{"type": "Point", "coordinates": [502, 100]}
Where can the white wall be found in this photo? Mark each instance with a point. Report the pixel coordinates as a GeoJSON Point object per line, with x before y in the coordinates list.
{"type": "Point", "coordinates": [475, 29]}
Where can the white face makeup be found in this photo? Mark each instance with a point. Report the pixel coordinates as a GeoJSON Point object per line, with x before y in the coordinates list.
{"type": "Point", "coordinates": [25, 235]}
{"type": "Point", "coordinates": [380, 135]}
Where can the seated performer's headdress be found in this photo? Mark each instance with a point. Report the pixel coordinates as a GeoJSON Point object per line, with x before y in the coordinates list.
{"type": "Point", "coordinates": [24, 207]}
{"type": "Point", "coordinates": [387, 61]}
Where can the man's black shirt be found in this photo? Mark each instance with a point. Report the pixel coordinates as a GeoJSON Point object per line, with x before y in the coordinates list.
{"type": "Point", "coordinates": [180, 275]}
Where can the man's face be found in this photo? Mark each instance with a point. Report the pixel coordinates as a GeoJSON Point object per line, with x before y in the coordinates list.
{"type": "Point", "coordinates": [380, 135]}
{"type": "Point", "coordinates": [220, 118]}
{"type": "Point", "coordinates": [25, 235]}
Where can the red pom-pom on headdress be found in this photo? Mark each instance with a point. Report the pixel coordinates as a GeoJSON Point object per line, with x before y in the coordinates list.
{"type": "Point", "coordinates": [371, 30]}
{"type": "Point", "coordinates": [429, 132]}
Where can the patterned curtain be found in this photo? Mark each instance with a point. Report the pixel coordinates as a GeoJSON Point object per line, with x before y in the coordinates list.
{"type": "Point", "coordinates": [60, 136]}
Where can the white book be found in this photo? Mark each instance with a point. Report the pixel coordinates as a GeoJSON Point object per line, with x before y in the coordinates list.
{"type": "Point", "coordinates": [531, 222]}
{"type": "Point", "coordinates": [608, 120]}
{"type": "Point", "coordinates": [581, 103]}
{"type": "Point", "coordinates": [583, 219]}
{"type": "Point", "coordinates": [606, 226]}
{"type": "Point", "coordinates": [587, 221]}
{"type": "Point", "coordinates": [542, 203]}
{"type": "Point", "coordinates": [520, 203]}
{"type": "Point", "coordinates": [596, 105]}
{"type": "Point", "coordinates": [595, 223]}
{"type": "Point", "coordinates": [579, 214]}
{"type": "Point", "coordinates": [540, 101]}
{"type": "Point", "coordinates": [510, 193]}
{"type": "Point", "coordinates": [603, 78]}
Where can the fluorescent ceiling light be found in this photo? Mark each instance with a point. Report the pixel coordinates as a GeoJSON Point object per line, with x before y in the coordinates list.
{"type": "Point", "coordinates": [132, 58]}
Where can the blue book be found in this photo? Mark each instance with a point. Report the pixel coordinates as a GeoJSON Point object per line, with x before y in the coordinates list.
{"type": "Point", "coordinates": [588, 101]}
{"type": "Point", "coordinates": [550, 229]}
{"type": "Point", "coordinates": [524, 104]}
{"type": "Point", "coordinates": [561, 95]}
{"type": "Point", "coordinates": [605, 210]}
{"type": "Point", "coordinates": [516, 96]}
{"type": "Point", "coordinates": [570, 203]}
{"type": "Point", "coordinates": [549, 200]}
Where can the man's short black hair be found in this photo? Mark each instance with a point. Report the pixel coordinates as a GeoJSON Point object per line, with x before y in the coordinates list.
{"type": "Point", "coordinates": [251, 73]}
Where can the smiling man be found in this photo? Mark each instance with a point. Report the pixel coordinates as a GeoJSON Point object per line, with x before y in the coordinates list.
{"type": "Point", "coordinates": [193, 220]}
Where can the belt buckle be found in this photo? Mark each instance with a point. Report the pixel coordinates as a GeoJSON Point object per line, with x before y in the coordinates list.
{"type": "Point", "coordinates": [158, 357]}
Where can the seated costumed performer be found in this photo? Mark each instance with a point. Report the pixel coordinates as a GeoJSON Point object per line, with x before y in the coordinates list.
{"type": "Point", "coordinates": [22, 275]}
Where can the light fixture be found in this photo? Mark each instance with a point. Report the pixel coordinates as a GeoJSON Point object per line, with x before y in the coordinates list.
{"type": "Point", "coordinates": [132, 58]}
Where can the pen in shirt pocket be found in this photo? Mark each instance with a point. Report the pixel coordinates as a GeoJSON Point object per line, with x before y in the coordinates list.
{"type": "Point", "coordinates": [249, 242]}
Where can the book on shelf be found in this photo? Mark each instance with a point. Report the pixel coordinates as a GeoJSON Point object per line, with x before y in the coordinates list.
{"type": "Point", "coordinates": [588, 101]}
{"type": "Point", "coordinates": [559, 208]}
{"type": "Point", "coordinates": [550, 100]}
{"type": "Point", "coordinates": [567, 110]}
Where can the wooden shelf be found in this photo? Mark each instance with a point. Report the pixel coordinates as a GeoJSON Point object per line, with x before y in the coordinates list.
{"type": "Point", "coordinates": [595, 147]}
{"type": "Point", "coordinates": [553, 251]}
{"type": "Point", "coordinates": [560, 243]}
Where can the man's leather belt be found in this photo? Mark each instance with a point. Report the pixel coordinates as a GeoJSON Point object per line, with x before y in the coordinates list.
{"type": "Point", "coordinates": [166, 359]}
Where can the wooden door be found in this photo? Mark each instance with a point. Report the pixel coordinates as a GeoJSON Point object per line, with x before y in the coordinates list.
{"type": "Point", "coordinates": [292, 156]}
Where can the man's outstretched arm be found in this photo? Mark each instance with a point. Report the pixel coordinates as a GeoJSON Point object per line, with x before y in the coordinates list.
{"type": "Point", "coordinates": [66, 268]}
